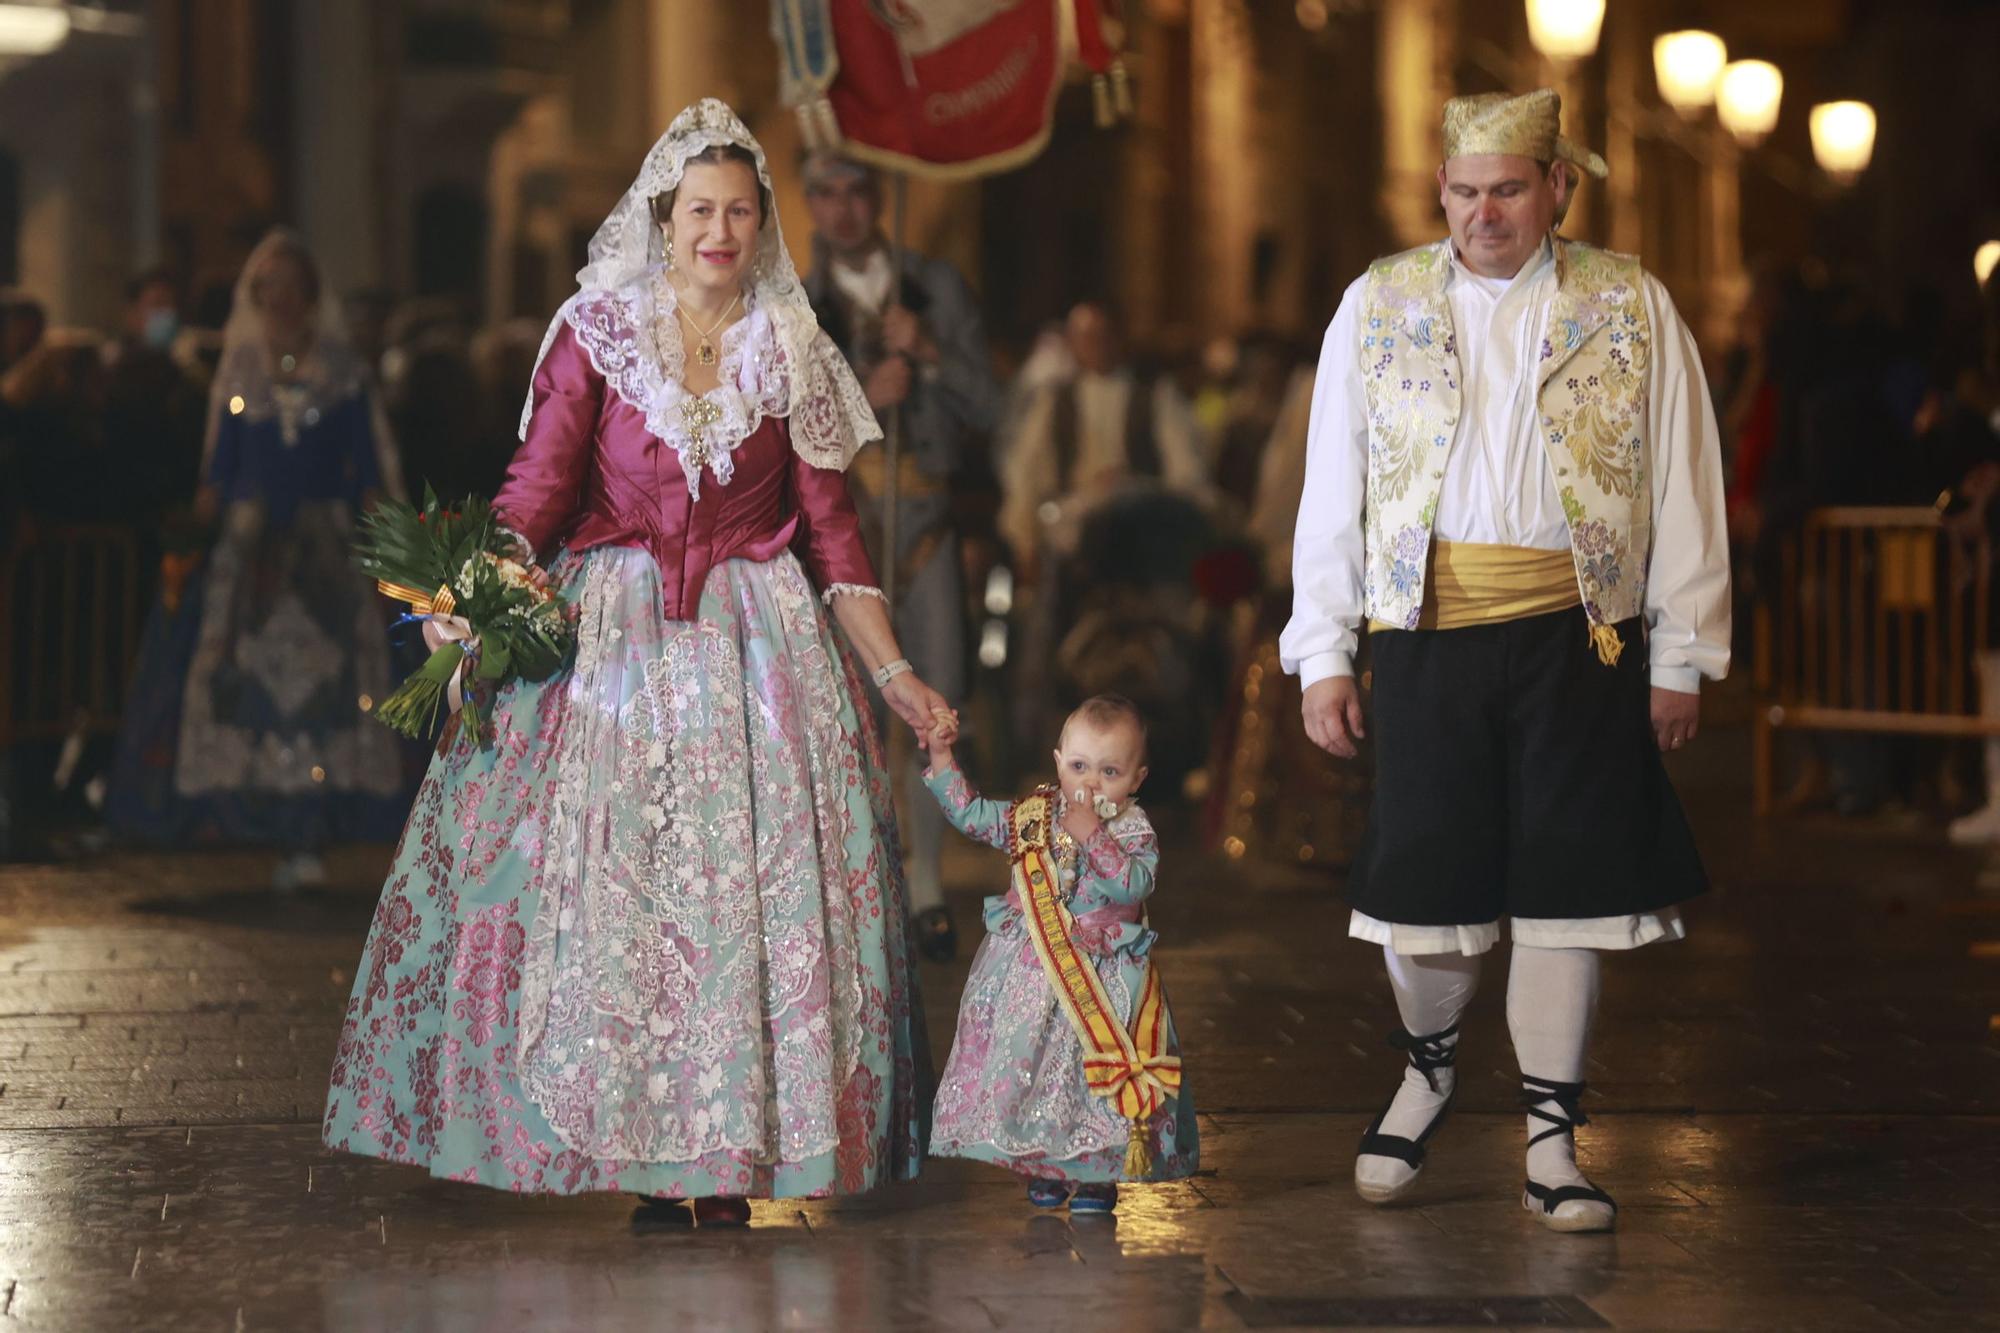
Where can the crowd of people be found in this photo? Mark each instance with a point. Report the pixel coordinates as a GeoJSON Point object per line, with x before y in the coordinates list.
{"type": "Point", "coordinates": [1833, 396]}
{"type": "Point", "coordinates": [1104, 487]}
{"type": "Point", "coordinates": [1127, 498]}
{"type": "Point", "coordinates": [647, 933]}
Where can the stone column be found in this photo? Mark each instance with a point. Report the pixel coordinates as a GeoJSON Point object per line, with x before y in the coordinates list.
{"type": "Point", "coordinates": [690, 43]}
{"type": "Point", "coordinates": [1414, 75]}
{"type": "Point", "coordinates": [1227, 156]}
{"type": "Point", "coordinates": [341, 185]}
{"type": "Point", "coordinates": [1626, 64]}
{"type": "Point", "coordinates": [1724, 282]}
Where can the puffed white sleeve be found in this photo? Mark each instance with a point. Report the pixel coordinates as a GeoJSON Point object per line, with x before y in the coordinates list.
{"type": "Point", "coordinates": [1688, 604]}
{"type": "Point", "coordinates": [1327, 554]}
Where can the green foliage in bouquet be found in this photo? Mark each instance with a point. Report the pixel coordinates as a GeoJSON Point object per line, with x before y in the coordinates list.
{"type": "Point", "coordinates": [460, 568]}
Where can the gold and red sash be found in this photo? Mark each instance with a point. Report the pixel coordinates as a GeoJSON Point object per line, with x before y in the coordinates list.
{"type": "Point", "coordinates": [1130, 1069]}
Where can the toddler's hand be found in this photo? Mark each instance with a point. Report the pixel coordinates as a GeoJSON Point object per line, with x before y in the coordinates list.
{"type": "Point", "coordinates": [944, 730]}
{"type": "Point", "coordinates": [1078, 818]}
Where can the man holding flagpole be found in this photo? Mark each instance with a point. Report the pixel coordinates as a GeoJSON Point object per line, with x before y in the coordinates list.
{"type": "Point", "coordinates": [911, 328]}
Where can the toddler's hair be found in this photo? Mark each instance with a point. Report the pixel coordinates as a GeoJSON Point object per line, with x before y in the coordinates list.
{"type": "Point", "coordinates": [1105, 711]}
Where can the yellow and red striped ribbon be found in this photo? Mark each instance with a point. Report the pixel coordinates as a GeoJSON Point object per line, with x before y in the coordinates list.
{"type": "Point", "coordinates": [1130, 1069]}
{"type": "Point", "coordinates": [439, 603]}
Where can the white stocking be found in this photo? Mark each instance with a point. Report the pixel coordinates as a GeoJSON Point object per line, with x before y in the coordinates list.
{"type": "Point", "coordinates": [1432, 991]}
{"type": "Point", "coordinates": [1551, 999]}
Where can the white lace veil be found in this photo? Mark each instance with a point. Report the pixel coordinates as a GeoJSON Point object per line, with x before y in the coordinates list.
{"type": "Point", "coordinates": [333, 371]}
{"type": "Point", "coordinates": [830, 417]}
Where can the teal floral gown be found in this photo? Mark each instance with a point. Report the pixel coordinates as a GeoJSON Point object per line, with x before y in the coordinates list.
{"type": "Point", "coordinates": [653, 937]}
{"type": "Point", "coordinates": [1013, 1092]}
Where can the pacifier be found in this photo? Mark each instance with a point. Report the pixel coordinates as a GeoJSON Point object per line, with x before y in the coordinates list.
{"type": "Point", "coordinates": [1105, 807]}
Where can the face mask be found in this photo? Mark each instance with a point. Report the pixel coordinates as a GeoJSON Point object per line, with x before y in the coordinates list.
{"type": "Point", "coordinates": [161, 326]}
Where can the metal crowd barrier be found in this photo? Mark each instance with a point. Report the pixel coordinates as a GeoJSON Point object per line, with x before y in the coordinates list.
{"type": "Point", "coordinates": [1873, 625]}
{"type": "Point", "coordinates": [69, 607]}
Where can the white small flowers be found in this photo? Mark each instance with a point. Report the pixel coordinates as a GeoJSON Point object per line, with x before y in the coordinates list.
{"type": "Point", "coordinates": [510, 572]}
{"type": "Point", "coordinates": [658, 1086]}
{"type": "Point", "coordinates": [655, 816]}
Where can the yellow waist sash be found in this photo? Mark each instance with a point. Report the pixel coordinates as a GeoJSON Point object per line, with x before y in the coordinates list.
{"type": "Point", "coordinates": [1479, 583]}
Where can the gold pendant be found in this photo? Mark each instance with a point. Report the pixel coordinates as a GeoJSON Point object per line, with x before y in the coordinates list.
{"type": "Point", "coordinates": [705, 353]}
{"type": "Point", "coordinates": [698, 414]}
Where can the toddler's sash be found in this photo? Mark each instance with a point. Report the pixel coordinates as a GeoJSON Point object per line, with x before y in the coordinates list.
{"type": "Point", "coordinates": [1131, 1069]}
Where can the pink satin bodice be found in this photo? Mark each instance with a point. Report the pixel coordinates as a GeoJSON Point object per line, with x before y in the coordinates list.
{"type": "Point", "coordinates": [590, 474]}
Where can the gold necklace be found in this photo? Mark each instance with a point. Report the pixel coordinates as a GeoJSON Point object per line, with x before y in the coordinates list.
{"type": "Point", "coordinates": [704, 351]}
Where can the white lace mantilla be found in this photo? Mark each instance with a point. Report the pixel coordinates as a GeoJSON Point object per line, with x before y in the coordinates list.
{"type": "Point", "coordinates": [635, 343]}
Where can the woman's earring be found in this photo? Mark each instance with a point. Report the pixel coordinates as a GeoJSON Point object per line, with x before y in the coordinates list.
{"type": "Point", "coordinates": [668, 238]}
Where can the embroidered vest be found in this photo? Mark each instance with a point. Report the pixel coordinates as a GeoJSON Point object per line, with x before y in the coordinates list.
{"type": "Point", "coordinates": [1592, 402]}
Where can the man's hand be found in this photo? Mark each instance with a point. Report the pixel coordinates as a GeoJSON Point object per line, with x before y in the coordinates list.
{"type": "Point", "coordinates": [888, 384]}
{"type": "Point", "coordinates": [1676, 717]}
{"type": "Point", "coordinates": [1332, 711]}
{"type": "Point", "coordinates": [903, 333]}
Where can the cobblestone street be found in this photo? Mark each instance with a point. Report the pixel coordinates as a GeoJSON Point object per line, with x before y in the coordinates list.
{"type": "Point", "coordinates": [1797, 1109]}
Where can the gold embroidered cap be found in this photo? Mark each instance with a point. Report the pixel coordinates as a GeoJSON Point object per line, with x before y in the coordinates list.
{"type": "Point", "coordinates": [1529, 125]}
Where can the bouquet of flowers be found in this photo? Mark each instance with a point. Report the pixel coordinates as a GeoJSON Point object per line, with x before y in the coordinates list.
{"type": "Point", "coordinates": [468, 576]}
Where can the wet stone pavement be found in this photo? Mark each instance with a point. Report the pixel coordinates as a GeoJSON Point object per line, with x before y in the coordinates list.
{"type": "Point", "coordinates": [1798, 1109]}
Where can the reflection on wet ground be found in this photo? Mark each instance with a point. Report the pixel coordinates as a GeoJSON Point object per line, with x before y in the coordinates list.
{"type": "Point", "coordinates": [1795, 1107]}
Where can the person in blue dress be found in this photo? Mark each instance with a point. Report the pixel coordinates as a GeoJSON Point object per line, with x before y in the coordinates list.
{"type": "Point", "coordinates": [248, 722]}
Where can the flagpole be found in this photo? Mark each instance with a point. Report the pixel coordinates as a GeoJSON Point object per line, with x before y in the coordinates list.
{"type": "Point", "coordinates": [893, 445]}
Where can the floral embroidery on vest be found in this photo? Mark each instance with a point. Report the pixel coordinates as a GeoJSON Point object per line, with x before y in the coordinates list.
{"type": "Point", "coordinates": [1592, 404]}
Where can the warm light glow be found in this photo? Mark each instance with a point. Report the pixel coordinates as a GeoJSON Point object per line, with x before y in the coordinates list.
{"type": "Point", "coordinates": [32, 30]}
{"type": "Point", "coordinates": [999, 591]}
{"type": "Point", "coordinates": [1985, 259]}
{"type": "Point", "coordinates": [1565, 29]}
{"type": "Point", "coordinates": [1843, 138]}
{"type": "Point", "coordinates": [1311, 14]}
{"type": "Point", "coordinates": [236, 405]}
{"type": "Point", "coordinates": [1687, 65]}
{"type": "Point", "coordinates": [993, 645]}
{"type": "Point", "coordinates": [1747, 99]}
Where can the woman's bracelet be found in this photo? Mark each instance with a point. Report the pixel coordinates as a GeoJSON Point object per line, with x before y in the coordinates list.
{"type": "Point", "coordinates": [888, 671]}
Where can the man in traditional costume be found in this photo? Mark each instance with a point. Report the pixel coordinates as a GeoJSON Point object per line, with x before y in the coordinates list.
{"type": "Point", "coordinates": [1513, 476]}
{"type": "Point", "coordinates": [910, 326]}
{"type": "Point", "coordinates": [1088, 435]}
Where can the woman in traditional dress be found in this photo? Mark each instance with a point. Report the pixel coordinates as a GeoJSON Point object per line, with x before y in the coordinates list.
{"type": "Point", "coordinates": [246, 722]}
{"type": "Point", "coordinates": [652, 936]}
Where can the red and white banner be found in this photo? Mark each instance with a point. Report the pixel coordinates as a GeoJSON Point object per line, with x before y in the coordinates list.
{"type": "Point", "coordinates": [940, 88]}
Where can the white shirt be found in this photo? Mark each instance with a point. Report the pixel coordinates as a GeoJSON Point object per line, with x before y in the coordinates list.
{"type": "Point", "coordinates": [867, 286]}
{"type": "Point", "coordinates": [1026, 519]}
{"type": "Point", "coordinates": [1497, 487]}
{"type": "Point", "coordinates": [1497, 484]}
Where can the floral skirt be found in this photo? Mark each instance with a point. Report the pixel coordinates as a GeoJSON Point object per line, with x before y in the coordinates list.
{"type": "Point", "coordinates": [652, 938]}
{"type": "Point", "coordinates": [1013, 1092]}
